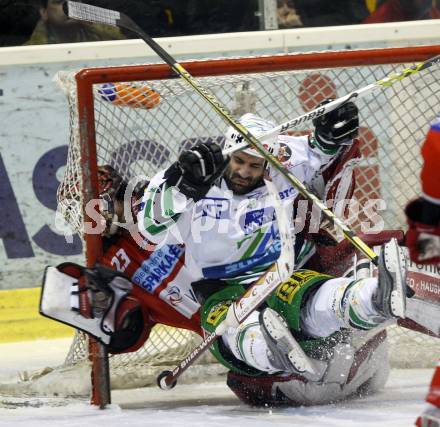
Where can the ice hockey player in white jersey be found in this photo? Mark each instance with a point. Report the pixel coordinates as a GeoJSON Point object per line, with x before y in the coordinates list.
{"type": "Point", "coordinates": [219, 208]}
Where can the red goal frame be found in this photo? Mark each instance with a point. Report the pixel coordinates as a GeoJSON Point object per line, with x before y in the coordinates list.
{"type": "Point", "coordinates": [86, 78]}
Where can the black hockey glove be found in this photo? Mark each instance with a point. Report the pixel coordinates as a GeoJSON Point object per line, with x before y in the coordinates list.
{"type": "Point", "coordinates": [196, 170]}
{"type": "Point", "coordinates": [338, 127]}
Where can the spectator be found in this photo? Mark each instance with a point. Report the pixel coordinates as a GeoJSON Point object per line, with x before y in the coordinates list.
{"type": "Point", "coordinates": [287, 16]}
{"type": "Point", "coordinates": [317, 13]}
{"type": "Point", "coordinates": [17, 21]}
{"type": "Point", "coordinates": [403, 10]}
{"type": "Point", "coordinates": [172, 18]}
{"type": "Point", "coordinates": [55, 27]}
{"type": "Point", "coordinates": [322, 13]}
{"type": "Point", "coordinates": [221, 16]}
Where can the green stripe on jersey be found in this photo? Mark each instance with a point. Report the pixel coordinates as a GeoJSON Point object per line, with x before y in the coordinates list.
{"type": "Point", "coordinates": [356, 320]}
{"type": "Point", "coordinates": [254, 243]}
{"type": "Point", "coordinates": [164, 205]}
{"type": "Point", "coordinates": [168, 205]}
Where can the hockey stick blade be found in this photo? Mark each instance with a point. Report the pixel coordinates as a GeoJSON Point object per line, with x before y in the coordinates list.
{"type": "Point", "coordinates": [89, 13]}
{"type": "Point", "coordinates": [94, 14]}
{"type": "Point", "coordinates": [99, 15]}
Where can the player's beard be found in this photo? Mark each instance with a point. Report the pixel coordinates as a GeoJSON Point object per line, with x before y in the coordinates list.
{"type": "Point", "coordinates": [239, 185]}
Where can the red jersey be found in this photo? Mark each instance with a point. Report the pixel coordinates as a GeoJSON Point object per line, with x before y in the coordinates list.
{"type": "Point", "coordinates": [394, 11]}
{"type": "Point", "coordinates": [430, 175]}
{"type": "Point", "coordinates": [163, 281]}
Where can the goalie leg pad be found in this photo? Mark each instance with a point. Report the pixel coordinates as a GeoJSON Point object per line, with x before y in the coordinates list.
{"type": "Point", "coordinates": [95, 301]}
{"type": "Point", "coordinates": [286, 353]}
{"type": "Point", "coordinates": [55, 303]}
{"type": "Point", "coordinates": [364, 372]}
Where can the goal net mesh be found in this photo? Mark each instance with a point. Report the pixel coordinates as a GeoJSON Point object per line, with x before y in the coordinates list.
{"type": "Point", "coordinates": [141, 126]}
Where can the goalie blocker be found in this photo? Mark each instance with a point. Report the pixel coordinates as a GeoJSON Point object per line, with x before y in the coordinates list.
{"type": "Point", "coordinates": [98, 302]}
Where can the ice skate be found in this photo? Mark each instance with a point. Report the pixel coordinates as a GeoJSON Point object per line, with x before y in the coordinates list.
{"type": "Point", "coordinates": [390, 298]}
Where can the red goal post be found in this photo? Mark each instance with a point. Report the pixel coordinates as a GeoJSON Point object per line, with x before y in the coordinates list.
{"type": "Point", "coordinates": [141, 138]}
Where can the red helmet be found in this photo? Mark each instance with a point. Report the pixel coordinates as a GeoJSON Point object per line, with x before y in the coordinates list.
{"type": "Point", "coordinates": [112, 189]}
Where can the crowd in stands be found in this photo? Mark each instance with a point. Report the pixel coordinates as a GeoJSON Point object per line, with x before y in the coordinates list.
{"type": "Point", "coordinates": [30, 22]}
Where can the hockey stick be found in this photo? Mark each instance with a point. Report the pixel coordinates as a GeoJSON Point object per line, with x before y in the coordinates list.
{"type": "Point", "coordinates": [352, 96]}
{"type": "Point", "coordinates": [85, 12]}
{"type": "Point", "coordinates": [280, 271]}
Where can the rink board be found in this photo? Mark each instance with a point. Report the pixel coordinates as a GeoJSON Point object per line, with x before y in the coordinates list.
{"type": "Point", "coordinates": [20, 320]}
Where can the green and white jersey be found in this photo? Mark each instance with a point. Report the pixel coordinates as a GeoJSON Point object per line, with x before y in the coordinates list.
{"type": "Point", "coordinates": [229, 236]}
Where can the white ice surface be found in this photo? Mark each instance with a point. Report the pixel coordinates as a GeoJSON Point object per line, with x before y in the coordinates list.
{"type": "Point", "coordinates": [203, 404]}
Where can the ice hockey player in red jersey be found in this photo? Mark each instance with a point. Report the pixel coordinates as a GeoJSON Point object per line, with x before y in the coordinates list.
{"type": "Point", "coordinates": [159, 271]}
{"type": "Point", "coordinates": [431, 414]}
{"type": "Point", "coordinates": [159, 286]}
{"type": "Point", "coordinates": [423, 238]}
{"type": "Point", "coordinates": [423, 241]}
